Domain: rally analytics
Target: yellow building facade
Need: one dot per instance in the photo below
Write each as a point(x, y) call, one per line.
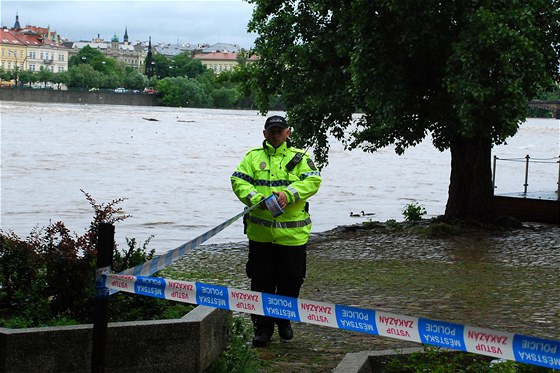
point(13, 52)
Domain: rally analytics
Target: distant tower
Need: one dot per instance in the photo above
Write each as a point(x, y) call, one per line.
point(17, 25)
point(149, 61)
point(125, 38)
point(115, 41)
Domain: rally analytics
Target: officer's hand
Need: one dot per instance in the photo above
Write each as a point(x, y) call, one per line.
point(282, 199)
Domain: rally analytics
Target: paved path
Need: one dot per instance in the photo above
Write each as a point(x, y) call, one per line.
point(501, 280)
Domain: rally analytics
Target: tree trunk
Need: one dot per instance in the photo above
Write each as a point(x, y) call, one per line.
point(470, 187)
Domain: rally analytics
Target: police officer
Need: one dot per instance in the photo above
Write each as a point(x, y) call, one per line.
point(277, 245)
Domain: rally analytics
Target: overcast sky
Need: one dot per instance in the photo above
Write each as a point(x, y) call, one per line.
point(172, 21)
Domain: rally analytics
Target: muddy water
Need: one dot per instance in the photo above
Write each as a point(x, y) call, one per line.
point(173, 166)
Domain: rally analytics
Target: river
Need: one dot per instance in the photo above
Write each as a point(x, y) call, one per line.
point(173, 166)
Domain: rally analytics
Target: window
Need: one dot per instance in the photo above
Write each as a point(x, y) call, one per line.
point(32, 55)
point(32, 67)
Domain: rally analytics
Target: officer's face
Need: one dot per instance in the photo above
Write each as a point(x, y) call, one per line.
point(277, 136)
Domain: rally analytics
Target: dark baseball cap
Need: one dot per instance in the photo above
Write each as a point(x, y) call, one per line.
point(275, 121)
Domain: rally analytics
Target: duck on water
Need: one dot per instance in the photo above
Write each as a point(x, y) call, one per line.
point(361, 214)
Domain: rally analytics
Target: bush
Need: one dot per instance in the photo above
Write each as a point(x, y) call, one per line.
point(413, 212)
point(48, 278)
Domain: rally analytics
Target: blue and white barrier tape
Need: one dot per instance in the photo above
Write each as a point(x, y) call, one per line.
point(510, 346)
point(159, 262)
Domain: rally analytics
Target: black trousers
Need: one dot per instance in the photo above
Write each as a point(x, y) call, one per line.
point(275, 269)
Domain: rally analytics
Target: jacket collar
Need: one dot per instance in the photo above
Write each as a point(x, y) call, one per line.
point(269, 149)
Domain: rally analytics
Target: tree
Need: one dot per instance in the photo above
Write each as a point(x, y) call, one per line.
point(162, 66)
point(225, 98)
point(86, 55)
point(184, 65)
point(61, 78)
point(84, 76)
point(134, 79)
point(27, 76)
point(44, 76)
point(183, 92)
point(460, 71)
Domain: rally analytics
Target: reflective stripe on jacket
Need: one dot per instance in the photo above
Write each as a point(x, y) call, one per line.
point(263, 171)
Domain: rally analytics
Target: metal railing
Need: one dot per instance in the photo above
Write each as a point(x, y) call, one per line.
point(527, 159)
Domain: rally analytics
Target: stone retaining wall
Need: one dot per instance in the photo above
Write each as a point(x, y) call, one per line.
point(189, 344)
point(77, 97)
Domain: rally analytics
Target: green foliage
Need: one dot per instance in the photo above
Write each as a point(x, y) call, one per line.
point(392, 223)
point(412, 68)
point(44, 76)
point(181, 65)
point(436, 360)
point(181, 81)
point(91, 69)
point(184, 65)
point(5, 74)
point(413, 212)
point(461, 72)
point(47, 279)
point(225, 98)
point(84, 76)
point(133, 79)
point(86, 55)
point(162, 66)
point(237, 357)
point(185, 92)
point(27, 77)
point(61, 78)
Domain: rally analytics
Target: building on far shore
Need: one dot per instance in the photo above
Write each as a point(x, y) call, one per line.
point(221, 57)
point(35, 48)
point(32, 48)
point(43, 53)
point(131, 54)
point(172, 50)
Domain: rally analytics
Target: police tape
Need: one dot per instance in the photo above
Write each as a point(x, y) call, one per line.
point(509, 346)
point(159, 262)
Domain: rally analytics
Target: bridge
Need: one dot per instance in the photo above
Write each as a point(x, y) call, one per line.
point(552, 106)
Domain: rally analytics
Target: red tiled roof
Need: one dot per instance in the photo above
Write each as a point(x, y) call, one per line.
point(30, 40)
point(26, 39)
point(40, 30)
point(8, 37)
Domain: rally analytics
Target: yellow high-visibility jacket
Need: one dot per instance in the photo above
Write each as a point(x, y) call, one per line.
point(263, 171)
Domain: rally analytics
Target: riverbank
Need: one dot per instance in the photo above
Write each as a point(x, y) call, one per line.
point(505, 280)
point(54, 96)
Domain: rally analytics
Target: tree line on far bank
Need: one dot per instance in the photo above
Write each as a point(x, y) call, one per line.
point(180, 81)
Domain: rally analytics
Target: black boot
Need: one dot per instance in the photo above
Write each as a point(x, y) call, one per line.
point(264, 328)
point(285, 329)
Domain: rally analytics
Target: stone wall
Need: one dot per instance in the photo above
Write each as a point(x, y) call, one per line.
point(189, 344)
point(77, 97)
